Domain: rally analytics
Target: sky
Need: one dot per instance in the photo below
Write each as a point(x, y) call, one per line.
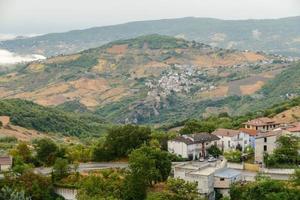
point(31, 17)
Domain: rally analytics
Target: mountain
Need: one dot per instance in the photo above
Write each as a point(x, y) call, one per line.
point(148, 79)
point(272, 35)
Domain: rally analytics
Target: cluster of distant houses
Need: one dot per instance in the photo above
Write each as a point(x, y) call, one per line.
point(261, 134)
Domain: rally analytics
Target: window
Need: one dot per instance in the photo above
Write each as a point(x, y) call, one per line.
point(265, 148)
point(222, 179)
point(228, 143)
point(265, 139)
point(245, 141)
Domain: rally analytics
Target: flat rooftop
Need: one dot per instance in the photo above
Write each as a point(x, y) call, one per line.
point(227, 173)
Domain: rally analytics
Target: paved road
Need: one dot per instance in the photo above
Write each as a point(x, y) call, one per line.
point(85, 167)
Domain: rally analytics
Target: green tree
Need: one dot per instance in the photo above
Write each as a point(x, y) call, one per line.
point(151, 163)
point(296, 177)
point(286, 153)
point(120, 141)
point(108, 185)
point(22, 151)
point(61, 169)
point(177, 189)
point(287, 149)
point(214, 151)
point(233, 156)
point(46, 151)
point(7, 193)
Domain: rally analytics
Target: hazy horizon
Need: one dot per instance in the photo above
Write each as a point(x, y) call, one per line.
point(35, 17)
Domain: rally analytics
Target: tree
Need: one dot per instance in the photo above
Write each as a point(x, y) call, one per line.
point(35, 186)
point(287, 149)
point(193, 126)
point(22, 151)
point(60, 169)
point(233, 156)
point(296, 177)
point(151, 163)
point(46, 151)
point(7, 193)
point(265, 189)
point(108, 185)
point(177, 189)
point(214, 151)
point(120, 141)
point(286, 154)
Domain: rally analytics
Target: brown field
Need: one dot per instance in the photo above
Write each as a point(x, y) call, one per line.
point(20, 133)
point(214, 60)
point(118, 49)
point(62, 59)
point(36, 67)
point(150, 69)
point(289, 116)
point(251, 89)
point(220, 91)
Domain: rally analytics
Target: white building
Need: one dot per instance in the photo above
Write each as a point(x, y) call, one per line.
point(203, 175)
point(231, 139)
point(5, 163)
point(192, 146)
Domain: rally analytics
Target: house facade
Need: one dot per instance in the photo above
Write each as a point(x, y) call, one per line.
point(224, 178)
point(252, 133)
point(262, 124)
point(265, 142)
point(231, 139)
point(192, 146)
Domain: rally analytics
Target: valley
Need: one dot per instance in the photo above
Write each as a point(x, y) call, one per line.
point(142, 79)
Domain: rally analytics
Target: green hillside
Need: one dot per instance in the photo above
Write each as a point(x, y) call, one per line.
point(50, 120)
point(272, 35)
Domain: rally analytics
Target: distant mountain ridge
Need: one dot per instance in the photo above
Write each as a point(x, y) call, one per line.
point(271, 35)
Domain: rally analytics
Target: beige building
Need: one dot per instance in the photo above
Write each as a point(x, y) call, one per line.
point(265, 142)
point(224, 178)
point(5, 163)
point(262, 124)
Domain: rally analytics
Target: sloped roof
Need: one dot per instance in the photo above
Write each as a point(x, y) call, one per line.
point(262, 121)
point(5, 160)
point(250, 132)
point(270, 134)
point(204, 137)
point(196, 138)
point(295, 127)
point(226, 132)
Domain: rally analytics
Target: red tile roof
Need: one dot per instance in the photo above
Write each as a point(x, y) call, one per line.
point(226, 132)
point(250, 132)
point(5, 160)
point(261, 121)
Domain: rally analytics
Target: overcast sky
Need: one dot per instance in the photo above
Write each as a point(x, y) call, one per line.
point(44, 16)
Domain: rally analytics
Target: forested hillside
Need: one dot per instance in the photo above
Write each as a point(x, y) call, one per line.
point(51, 120)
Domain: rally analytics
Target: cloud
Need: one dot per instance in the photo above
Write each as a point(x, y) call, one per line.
point(7, 57)
point(7, 37)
